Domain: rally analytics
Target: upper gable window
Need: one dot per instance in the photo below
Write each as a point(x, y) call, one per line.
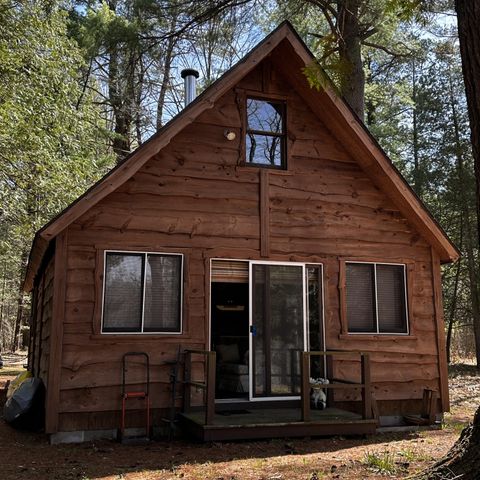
point(265, 140)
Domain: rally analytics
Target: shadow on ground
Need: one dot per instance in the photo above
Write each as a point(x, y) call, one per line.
point(27, 455)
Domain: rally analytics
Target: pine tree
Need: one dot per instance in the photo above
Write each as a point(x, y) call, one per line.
point(51, 135)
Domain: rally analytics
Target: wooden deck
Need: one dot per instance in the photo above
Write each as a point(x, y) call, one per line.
point(253, 420)
point(274, 422)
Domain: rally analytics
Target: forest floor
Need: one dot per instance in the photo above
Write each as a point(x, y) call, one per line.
point(394, 455)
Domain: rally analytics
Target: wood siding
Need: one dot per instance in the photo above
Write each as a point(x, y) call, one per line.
point(197, 198)
point(42, 322)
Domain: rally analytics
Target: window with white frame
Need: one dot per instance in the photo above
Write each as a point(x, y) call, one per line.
point(142, 293)
point(376, 298)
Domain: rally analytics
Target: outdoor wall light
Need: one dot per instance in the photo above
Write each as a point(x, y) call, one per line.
point(230, 135)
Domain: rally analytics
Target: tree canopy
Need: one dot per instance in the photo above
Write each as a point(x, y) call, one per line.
point(52, 135)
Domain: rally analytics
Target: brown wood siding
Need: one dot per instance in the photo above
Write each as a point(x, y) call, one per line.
point(56, 334)
point(33, 350)
point(196, 198)
point(42, 322)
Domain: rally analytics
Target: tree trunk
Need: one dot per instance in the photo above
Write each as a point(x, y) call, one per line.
point(468, 18)
point(121, 105)
point(18, 320)
point(119, 100)
point(352, 83)
point(451, 316)
point(463, 459)
point(469, 234)
point(166, 74)
point(20, 306)
point(473, 279)
point(2, 303)
point(370, 105)
point(417, 174)
point(138, 85)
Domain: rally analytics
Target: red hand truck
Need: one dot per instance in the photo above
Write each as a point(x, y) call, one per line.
point(139, 394)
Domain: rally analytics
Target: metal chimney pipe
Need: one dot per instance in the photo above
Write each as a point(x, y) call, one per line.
point(190, 76)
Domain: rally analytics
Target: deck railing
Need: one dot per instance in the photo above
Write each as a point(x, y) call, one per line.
point(208, 385)
point(340, 384)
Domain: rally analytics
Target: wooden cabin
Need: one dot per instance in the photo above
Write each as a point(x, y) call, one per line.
point(260, 242)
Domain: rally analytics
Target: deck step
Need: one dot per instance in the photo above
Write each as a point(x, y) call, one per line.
point(272, 423)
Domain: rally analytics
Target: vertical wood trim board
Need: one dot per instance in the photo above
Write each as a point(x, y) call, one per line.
point(440, 327)
point(39, 332)
point(207, 303)
point(410, 279)
point(241, 102)
point(342, 296)
point(264, 213)
point(33, 329)
point(98, 282)
point(56, 334)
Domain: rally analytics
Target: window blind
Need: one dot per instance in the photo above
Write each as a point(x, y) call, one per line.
point(122, 309)
point(162, 293)
point(391, 298)
point(229, 271)
point(361, 309)
point(375, 289)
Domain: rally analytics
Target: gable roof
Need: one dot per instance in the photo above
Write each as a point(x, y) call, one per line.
point(343, 122)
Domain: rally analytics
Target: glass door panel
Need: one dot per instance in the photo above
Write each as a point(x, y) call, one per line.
point(278, 329)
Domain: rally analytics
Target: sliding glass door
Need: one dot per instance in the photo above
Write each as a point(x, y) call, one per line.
point(278, 331)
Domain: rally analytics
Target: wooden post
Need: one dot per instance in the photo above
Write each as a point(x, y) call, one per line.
point(440, 330)
point(367, 387)
point(429, 405)
point(264, 213)
point(187, 397)
point(330, 391)
point(305, 391)
point(342, 283)
point(210, 407)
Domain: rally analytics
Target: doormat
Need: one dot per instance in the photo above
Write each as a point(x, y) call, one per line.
point(226, 413)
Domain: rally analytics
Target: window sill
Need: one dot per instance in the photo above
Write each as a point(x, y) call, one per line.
point(251, 167)
point(129, 337)
point(375, 336)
